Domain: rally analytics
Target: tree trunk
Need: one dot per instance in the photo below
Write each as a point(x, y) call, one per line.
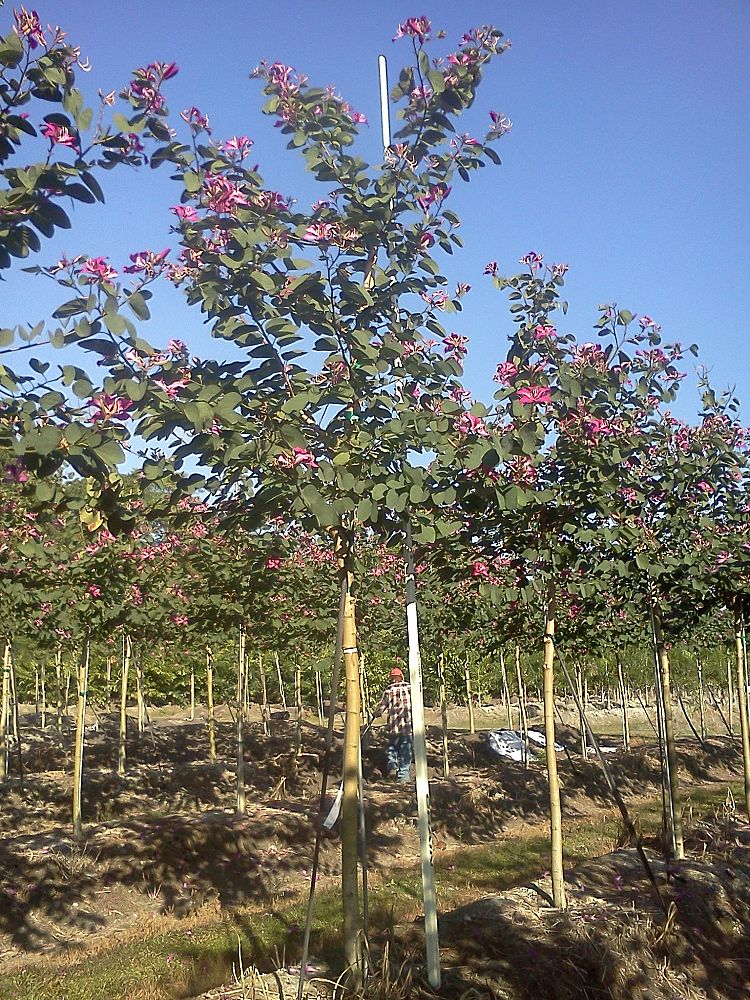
point(555, 810)
point(5, 714)
point(66, 701)
point(83, 680)
point(140, 698)
point(443, 714)
point(730, 697)
point(739, 626)
point(108, 688)
point(192, 690)
point(506, 691)
point(701, 702)
point(581, 724)
point(353, 951)
point(210, 703)
point(298, 708)
point(280, 678)
point(58, 682)
point(263, 696)
point(469, 695)
point(319, 697)
point(122, 744)
point(44, 694)
point(36, 690)
point(16, 720)
point(624, 703)
point(241, 676)
point(669, 741)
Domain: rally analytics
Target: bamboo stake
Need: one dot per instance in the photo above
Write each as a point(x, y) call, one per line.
point(701, 703)
point(36, 690)
point(730, 695)
point(739, 625)
point(263, 696)
point(16, 720)
point(192, 690)
point(5, 714)
point(66, 703)
point(506, 690)
point(58, 677)
point(139, 691)
point(122, 744)
point(108, 690)
point(624, 704)
point(282, 692)
point(319, 696)
point(241, 676)
point(44, 694)
point(669, 740)
point(298, 704)
point(522, 716)
point(555, 810)
point(210, 703)
point(443, 714)
point(469, 695)
point(582, 701)
point(83, 680)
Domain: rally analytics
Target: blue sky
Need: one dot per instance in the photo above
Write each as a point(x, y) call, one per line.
point(629, 158)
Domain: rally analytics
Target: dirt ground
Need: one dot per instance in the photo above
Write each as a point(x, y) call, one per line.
point(164, 839)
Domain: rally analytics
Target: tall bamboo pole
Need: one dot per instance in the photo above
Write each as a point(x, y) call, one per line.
point(210, 703)
point(44, 694)
point(730, 696)
point(624, 704)
point(122, 743)
point(58, 686)
point(581, 726)
point(701, 702)
point(506, 690)
point(669, 739)
point(522, 717)
point(36, 690)
point(192, 690)
point(280, 678)
point(349, 808)
point(140, 698)
point(263, 696)
point(443, 714)
point(5, 713)
point(241, 676)
point(319, 696)
point(742, 695)
point(16, 719)
point(469, 695)
point(298, 709)
point(83, 680)
point(555, 809)
point(108, 685)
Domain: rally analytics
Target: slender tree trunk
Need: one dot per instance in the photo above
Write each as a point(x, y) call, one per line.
point(739, 626)
point(83, 680)
point(506, 691)
point(192, 690)
point(122, 745)
point(44, 694)
point(669, 740)
point(140, 697)
point(555, 809)
point(522, 717)
point(16, 719)
point(319, 697)
point(349, 808)
point(298, 709)
point(36, 690)
point(443, 714)
point(263, 696)
point(241, 678)
point(624, 703)
point(469, 695)
point(108, 691)
point(5, 714)
point(581, 724)
point(280, 678)
point(730, 696)
point(701, 701)
point(365, 687)
point(58, 683)
point(210, 703)
point(66, 702)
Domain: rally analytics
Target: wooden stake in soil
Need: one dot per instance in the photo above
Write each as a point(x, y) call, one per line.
point(443, 714)
point(83, 680)
point(263, 696)
point(582, 701)
point(210, 703)
point(469, 695)
point(122, 743)
point(669, 741)
point(506, 690)
point(192, 691)
point(108, 685)
point(624, 704)
point(16, 720)
point(523, 718)
point(298, 709)
point(319, 696)
point(36, 690)
point(58, 682)
point(241, 675)
point(730, 696)
point(5, 714)
point(140, 697)
point(280, 678)
point(555, 810)
point(44, 694)
point(429, 894)
point(739, 625)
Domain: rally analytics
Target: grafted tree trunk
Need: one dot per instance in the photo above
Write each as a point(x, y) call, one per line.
point(555, 809)
point(669, 740)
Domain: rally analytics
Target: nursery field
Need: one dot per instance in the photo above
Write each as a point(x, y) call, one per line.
point(169, 886)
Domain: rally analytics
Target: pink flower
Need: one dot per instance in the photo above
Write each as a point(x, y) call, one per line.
point(97, 269)
point(195, 119)
point(298, 457)
point(646, 323)
point(29, 27)
point(185, 213)
point(426, 240)
point(107, 407)
point(273, 563)
point(147, 262)
point(455, 344)
point(60, 135)
point(223, 195)
point(704, 487)
point(491, 268)
point(544, 332)
point(479, 570)
point(414, 27)
point(505, 373)
point(321, 232)
point(179, 620)
point(238, 145)
point(437, 192)
point(535, 395)
point(532, 260)
point(177, 348)
point(15, 473)
point(94, 590)
point(467, 423)
point(500, 124)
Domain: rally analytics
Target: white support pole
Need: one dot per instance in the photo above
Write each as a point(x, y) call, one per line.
point(385, 116)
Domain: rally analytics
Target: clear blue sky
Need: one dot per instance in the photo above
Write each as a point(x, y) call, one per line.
point(629, 158)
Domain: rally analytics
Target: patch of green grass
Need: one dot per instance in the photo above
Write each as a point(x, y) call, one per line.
point(184, 962)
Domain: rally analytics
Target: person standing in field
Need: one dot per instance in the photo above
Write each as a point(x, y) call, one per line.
point(396, 703)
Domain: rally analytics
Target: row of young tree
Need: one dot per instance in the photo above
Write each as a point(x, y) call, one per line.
point(572, 512)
